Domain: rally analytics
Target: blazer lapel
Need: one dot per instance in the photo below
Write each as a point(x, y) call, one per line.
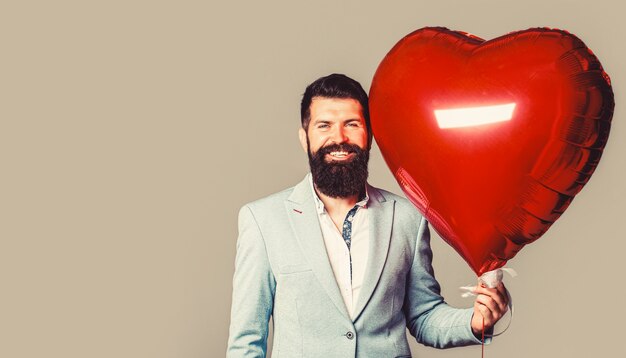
point(380, 213)
point(304, 221)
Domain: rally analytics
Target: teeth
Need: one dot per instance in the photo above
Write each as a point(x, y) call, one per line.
point(338, 154)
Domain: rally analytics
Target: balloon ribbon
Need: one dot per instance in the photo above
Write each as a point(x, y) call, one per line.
point(482, 339)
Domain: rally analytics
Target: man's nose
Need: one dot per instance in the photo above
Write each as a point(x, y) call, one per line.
point(339, 135)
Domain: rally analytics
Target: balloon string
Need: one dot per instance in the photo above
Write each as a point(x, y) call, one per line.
point(482, 339)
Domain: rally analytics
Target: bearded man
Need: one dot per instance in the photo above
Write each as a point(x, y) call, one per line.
point(343, 268)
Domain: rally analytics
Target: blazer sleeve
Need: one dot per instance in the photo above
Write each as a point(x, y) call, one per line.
point(429, 319)
point(254, 286)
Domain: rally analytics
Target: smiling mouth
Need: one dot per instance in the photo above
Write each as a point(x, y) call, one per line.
point(339, 155)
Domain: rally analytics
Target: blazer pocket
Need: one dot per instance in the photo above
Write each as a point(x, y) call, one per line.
point(291, 269)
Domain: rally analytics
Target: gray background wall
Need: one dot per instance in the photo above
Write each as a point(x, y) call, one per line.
point(132, 131)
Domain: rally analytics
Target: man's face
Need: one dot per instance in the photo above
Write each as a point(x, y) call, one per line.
point(337, 144)
point(336, 121)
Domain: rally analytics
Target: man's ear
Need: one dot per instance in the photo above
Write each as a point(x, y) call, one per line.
point(302, 137)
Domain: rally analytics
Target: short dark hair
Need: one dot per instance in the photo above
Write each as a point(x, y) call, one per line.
point(334, 86)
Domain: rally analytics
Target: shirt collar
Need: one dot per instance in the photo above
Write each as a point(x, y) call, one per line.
point(319, 205)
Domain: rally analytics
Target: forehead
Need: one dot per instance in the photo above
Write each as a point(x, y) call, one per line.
point(335, 108)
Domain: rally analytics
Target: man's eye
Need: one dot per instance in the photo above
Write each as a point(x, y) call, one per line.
point(323, 126)
point(353, 124)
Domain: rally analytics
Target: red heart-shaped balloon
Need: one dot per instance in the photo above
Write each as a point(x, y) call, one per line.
point(491, 140)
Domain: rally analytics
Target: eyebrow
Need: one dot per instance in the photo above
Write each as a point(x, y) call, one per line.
point(344, 121)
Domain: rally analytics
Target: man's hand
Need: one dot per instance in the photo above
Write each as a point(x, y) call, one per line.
point(491, 304)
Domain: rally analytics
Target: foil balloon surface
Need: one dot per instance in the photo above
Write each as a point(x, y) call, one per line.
point(491, 140)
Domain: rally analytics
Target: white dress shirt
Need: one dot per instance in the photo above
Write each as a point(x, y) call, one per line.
point(340, 256)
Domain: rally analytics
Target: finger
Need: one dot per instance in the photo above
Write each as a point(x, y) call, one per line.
point(501, 288)
point(503, 291)
point(500, 299)
point(504, 297)
point(484, 290)
point(489, 303)
point(485, 313)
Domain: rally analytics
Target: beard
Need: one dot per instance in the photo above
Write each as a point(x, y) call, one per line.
point(339, 179)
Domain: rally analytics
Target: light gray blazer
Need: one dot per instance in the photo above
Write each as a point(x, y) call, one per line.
point(282, 270)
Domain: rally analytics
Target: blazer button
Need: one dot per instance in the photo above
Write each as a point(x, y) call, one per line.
point(350, 335)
